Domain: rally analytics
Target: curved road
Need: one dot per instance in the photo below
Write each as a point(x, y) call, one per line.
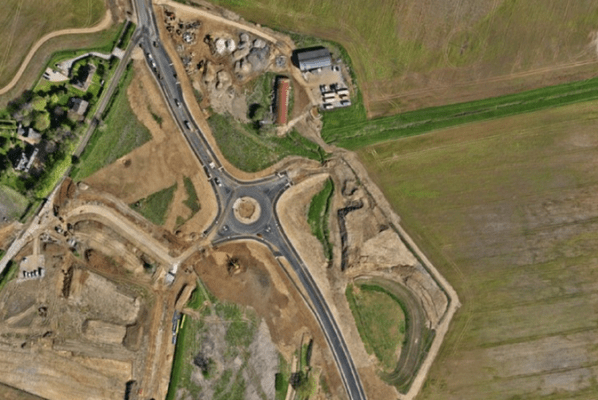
point(265, 191)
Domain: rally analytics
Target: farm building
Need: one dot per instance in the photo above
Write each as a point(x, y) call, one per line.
point(310, 59)
point(283, 86)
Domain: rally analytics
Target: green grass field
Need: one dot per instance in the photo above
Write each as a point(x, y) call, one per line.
point(120, 133)
point(349, 127)
point(155, 206)
point(251, 152)
point(506, 209)
point(406, 53)
point(25, 21)
point(380, 321)
point(317, 217)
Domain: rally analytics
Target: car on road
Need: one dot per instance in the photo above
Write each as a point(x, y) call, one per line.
point(177, 103)
point(187, 124)
point(217, 180)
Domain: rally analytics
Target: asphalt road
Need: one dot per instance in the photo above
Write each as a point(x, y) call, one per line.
point(265, 191)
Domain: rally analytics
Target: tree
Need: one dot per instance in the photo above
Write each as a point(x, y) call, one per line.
point(39, 104)
point(42, 121)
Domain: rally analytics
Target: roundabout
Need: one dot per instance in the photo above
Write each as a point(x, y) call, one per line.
point(246, 210)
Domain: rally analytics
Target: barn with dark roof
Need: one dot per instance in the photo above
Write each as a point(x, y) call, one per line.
point(310, 59)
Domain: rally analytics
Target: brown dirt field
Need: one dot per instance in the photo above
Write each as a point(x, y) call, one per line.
point(8, 233)
point(161, 162)
point(266, 288)
point(9, 393)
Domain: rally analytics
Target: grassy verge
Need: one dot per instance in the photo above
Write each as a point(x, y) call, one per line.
point(380, 320)
point(155, 206)
point(126, 36)
point(317, 216)
point(249, 151)
point(9, 273)
point(120, 133)
point(349, 127)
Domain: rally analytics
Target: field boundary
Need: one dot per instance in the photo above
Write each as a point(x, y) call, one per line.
point(103, 24)
point(361, 132)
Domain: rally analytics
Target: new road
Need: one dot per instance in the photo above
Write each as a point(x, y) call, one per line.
point(266, 192)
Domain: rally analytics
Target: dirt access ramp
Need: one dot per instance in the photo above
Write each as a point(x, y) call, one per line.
point(164, 160)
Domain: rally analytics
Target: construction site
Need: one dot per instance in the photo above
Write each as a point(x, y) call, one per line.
point(106, 304)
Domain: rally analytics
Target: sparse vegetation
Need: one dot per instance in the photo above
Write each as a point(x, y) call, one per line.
point(251, 152)
point(156, 117)
point(225, 381)
point(380, 320)
point(118, 135)
point(155, 206)
point(192, 202)
point(317, 216)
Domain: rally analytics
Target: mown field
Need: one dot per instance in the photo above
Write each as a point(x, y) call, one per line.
point(23, 22)
point(414, 54)
point(119, 133)
point(507, 210)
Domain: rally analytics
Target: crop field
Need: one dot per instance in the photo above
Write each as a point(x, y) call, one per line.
point(507, 211)
point(23, 22)
point(350, 128)
point(414, 54)
point(121, 133)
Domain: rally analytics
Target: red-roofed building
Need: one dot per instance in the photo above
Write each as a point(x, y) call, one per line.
point(283, 90)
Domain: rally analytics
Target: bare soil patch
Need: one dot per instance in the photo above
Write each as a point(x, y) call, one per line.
point(265, 287)
point(166, 158)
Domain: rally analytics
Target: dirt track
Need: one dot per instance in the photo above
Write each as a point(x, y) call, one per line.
point(104, 24)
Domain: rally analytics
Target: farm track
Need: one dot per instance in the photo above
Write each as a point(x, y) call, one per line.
point(103, 24)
